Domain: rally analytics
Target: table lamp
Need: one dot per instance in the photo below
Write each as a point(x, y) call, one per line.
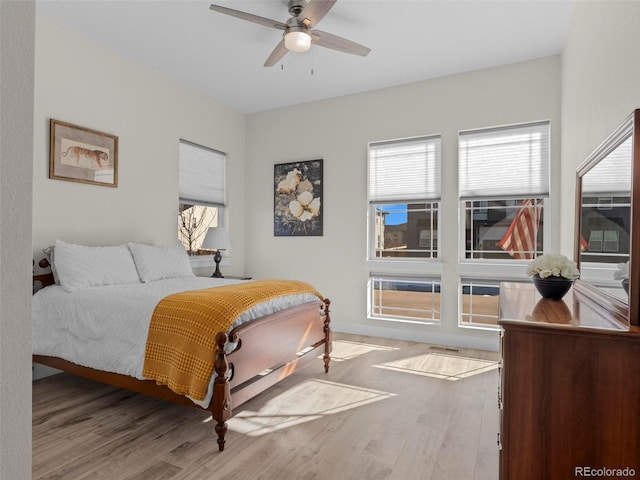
point(216, 239)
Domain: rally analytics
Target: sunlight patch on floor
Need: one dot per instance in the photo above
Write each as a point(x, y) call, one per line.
point(344, 350)
point(439, 365)
point(305, 402)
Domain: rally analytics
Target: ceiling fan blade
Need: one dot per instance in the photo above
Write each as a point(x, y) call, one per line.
point(267, 22)
point(278, 52)
point(328, 40)
point(315, 11)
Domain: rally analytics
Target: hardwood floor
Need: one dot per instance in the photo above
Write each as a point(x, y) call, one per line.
point(387, 409)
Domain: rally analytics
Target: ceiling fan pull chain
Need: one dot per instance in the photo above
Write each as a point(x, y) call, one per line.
point(313, 62)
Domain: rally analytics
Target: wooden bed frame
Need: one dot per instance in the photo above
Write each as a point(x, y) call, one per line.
point(267, 350)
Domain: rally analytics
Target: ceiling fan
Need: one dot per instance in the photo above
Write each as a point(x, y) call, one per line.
point(299, 32)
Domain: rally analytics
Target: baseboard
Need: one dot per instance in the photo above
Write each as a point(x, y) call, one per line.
point(480, 340)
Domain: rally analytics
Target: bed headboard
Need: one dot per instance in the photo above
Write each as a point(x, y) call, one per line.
point(43, 279)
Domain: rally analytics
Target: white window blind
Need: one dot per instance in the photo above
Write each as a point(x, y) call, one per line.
point(612, 175)
point(504, 162)
point(201, 175)
point(405, 170)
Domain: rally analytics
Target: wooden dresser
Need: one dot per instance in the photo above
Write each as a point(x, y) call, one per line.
point(570, 389)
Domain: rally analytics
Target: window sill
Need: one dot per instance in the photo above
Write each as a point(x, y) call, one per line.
point(434, 267)
point(517, 270)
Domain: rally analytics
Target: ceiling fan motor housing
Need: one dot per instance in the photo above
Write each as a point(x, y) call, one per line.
point(295, 25)
point(296, 6)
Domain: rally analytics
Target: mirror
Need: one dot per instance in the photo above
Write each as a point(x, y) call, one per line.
point(606, 207)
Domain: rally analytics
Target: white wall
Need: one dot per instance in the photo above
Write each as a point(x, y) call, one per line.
point(600, 75)
point(81, 82)
point(17, 27)
point(600, 86)
point(338, 131)
point(149, 113)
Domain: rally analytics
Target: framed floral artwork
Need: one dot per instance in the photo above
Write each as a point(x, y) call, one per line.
point(79, 154)
point(298, 199)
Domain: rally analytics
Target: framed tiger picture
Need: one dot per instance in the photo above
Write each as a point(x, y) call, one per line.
point(79, 154)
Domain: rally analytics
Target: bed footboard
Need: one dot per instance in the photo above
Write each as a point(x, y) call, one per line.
point(268, 350)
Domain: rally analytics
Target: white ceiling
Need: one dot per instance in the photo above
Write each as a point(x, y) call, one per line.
point(410, 40)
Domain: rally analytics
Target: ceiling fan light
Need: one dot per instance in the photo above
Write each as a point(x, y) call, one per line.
point(297, 41)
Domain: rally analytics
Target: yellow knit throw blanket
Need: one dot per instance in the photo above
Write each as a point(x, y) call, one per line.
point(180, 350)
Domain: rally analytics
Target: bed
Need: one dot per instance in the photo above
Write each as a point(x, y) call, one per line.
point(95, 319)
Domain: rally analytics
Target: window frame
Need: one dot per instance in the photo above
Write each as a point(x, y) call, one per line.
point(546, 238)
point(485, 282)
point(410, 279)
point(434, 254)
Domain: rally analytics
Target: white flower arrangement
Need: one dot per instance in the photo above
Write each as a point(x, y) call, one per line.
point(623, 271)
point(553, 264)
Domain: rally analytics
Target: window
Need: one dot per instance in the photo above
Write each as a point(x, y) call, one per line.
point(503, 181)
point(503, 229)
point(606, 208)
point(404, 215)
point(605, 228)
point(415, 300)
point(405, 230)
point(479, 303)
point(202, 193)
point(404, 196)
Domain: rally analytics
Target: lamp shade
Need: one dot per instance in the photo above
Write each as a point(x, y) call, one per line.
point(297, 41)
point(216, 238)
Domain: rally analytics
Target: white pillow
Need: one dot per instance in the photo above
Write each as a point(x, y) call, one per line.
point(80, 266)
point(157, 263)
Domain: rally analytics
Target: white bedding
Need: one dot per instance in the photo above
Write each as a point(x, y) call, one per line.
point(106, 327)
